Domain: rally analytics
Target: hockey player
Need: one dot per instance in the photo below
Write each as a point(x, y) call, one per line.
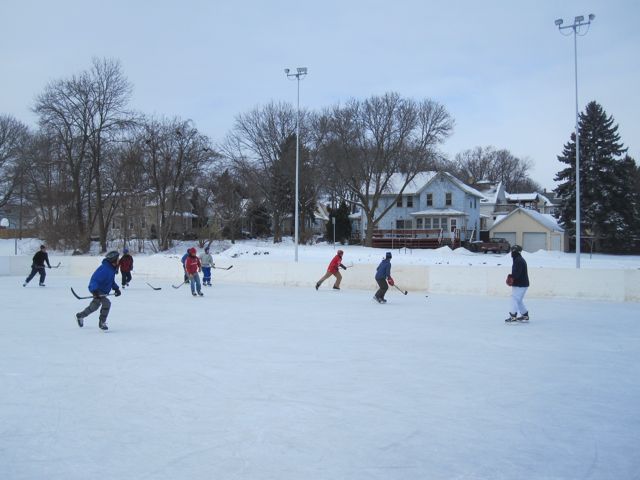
point(192, 266)
point(519, 286)
point(184, 271)
point(207, 265)
point(37, 266)
point(332, 269)
point(383, 276)
point(126, 267)
point(102, 282)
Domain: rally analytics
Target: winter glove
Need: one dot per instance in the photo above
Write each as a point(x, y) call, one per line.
point(342, 267)
point(117, 292)
point(390, 281)
point(509, 280)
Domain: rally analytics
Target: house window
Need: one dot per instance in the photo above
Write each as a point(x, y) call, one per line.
point(410, 201)
point(400, 224)
point(419, 223)
point(436, 222)
point(399, 201)
point(429, 199)
point(447, 199)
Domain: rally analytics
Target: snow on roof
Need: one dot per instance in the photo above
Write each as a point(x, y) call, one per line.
point(414, 186)
point(489, 191)
point(421, 180)
point(544, 219)
point(522, 197)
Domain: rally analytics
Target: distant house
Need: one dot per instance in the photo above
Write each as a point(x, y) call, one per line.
point(492, 203)
point(531, 229)
point(434, 206)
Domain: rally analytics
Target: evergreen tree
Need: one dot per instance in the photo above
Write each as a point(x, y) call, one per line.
point(343, 224)
point(608, 197)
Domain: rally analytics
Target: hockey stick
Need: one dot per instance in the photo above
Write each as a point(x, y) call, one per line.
point(178, 286)
point(84, 298)
point(155, 288)
point(403, 291)
point(59, 263)
point(223, 268)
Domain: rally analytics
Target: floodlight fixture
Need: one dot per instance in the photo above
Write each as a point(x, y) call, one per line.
point(579, 18)
point(302, 70)
point(559, 22)
point(591, 17)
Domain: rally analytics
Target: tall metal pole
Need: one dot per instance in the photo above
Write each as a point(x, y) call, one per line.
point(300, 72)
point(578, 224)
point(297, 169)
point(577, 23)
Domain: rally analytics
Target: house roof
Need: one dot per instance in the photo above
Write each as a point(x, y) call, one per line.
point(421, 180)
point(489, 191)
point(544, 219)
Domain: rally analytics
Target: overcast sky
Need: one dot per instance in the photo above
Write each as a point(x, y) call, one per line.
point(501, 68)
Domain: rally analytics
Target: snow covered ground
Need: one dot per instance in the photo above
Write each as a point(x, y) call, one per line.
point(293, 383)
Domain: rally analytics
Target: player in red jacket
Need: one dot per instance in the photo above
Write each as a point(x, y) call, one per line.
point(332, 269)
point(192, 266)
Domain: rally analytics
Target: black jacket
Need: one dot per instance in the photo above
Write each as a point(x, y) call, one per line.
point(519, 271)
point(40, 258)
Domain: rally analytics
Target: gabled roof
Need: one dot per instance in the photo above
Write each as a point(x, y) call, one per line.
point(489, 191)
point(421, 180)
point(544, 219)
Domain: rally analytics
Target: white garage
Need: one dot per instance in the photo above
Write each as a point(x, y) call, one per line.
point(531, 229)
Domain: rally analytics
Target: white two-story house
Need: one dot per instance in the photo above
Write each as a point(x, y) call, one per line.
point(432, 205)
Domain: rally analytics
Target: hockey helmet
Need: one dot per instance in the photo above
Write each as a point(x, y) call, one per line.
point(388, 255)
point(340, 252)
point(112, 256)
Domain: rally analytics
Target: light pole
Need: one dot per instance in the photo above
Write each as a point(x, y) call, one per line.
point(300, 73)
point(578, 22)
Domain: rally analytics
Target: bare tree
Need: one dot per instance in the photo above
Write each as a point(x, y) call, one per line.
point(175, 154)
point(82, 115)
point(108, 118)
point(366, 142)
point(13, 138)
point(487, 163)
point(257, 147)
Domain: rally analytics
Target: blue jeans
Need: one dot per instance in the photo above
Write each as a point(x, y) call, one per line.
point(194, 280)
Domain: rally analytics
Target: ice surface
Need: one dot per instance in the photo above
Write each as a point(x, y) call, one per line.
point(291, 383)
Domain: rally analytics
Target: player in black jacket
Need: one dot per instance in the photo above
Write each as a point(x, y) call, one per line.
point(37, 266)
point(519, 286)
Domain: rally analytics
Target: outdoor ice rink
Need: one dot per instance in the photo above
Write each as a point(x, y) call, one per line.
point(292, 384)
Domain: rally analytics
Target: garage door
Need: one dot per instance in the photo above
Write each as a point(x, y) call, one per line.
point(508, 236)
point(534, 241)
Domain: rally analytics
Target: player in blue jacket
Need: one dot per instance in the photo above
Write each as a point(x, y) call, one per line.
point(102, 282)
point(383, 276)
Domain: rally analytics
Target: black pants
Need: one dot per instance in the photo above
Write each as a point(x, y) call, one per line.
point(126, 278)
point(383, 288)
point(103, 303)
point(37, 269)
